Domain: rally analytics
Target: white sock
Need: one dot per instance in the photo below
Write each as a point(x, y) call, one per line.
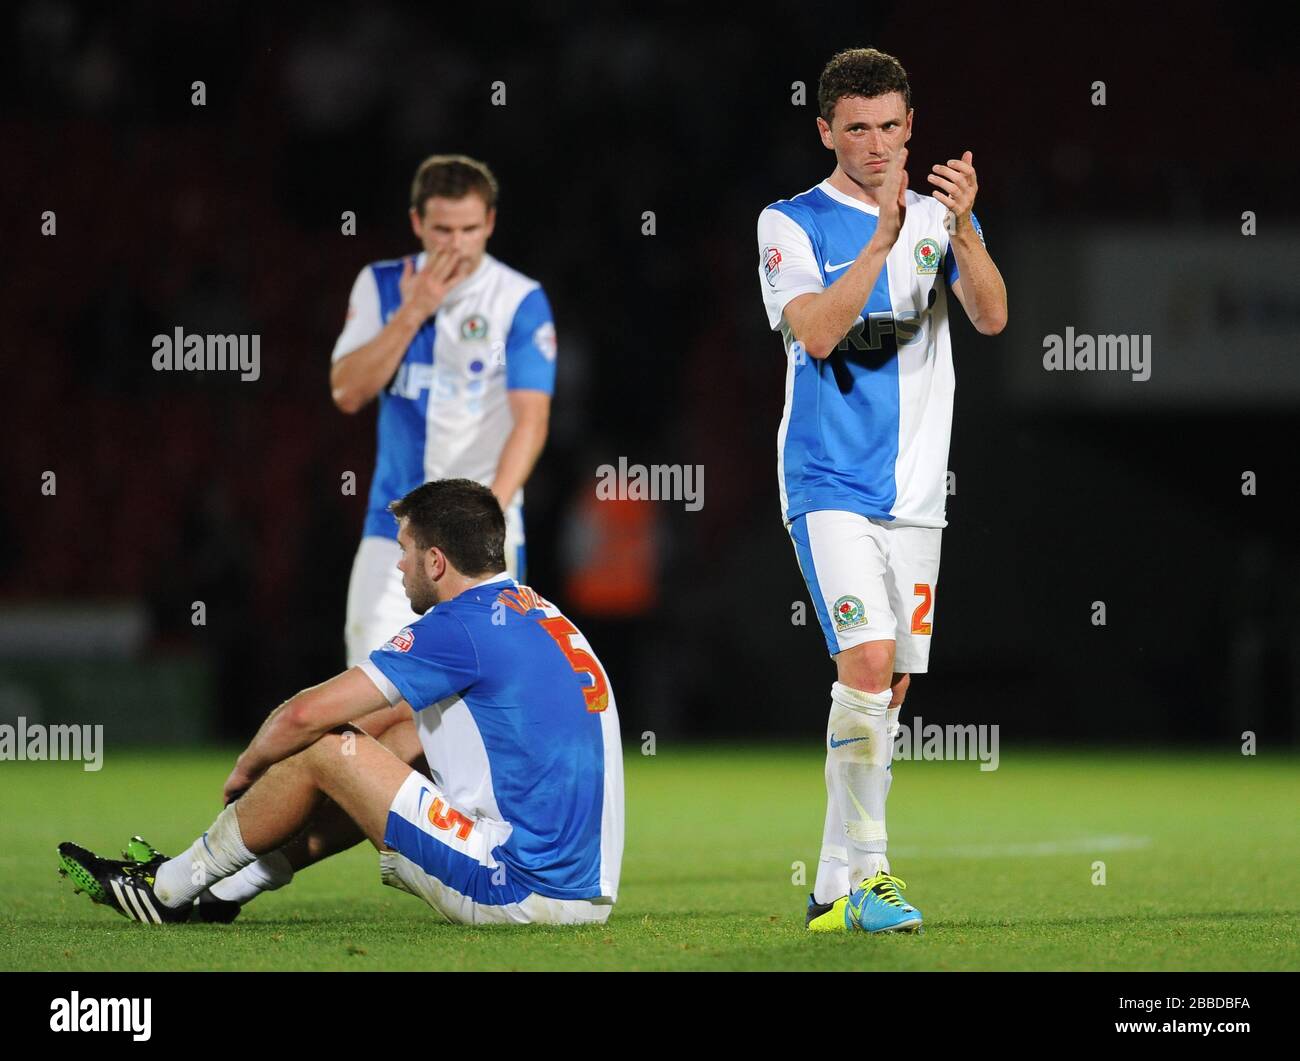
point(857, 775)
point(833, 865)
point(269, 872)
point(891, 731)
point(216, 854)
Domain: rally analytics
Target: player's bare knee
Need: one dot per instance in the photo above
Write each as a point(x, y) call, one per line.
point(328, 752)
point(867, 667)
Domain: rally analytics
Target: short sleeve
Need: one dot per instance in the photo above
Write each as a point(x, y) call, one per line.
point(530, 345)
point(950, 259)
point(787, 265)
point(363, 321)
point(429, 660)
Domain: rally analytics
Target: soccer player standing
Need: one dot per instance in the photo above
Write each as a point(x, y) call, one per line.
point(854, 274)
point(460, 350)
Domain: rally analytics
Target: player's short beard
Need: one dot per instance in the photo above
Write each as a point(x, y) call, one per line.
point(422, 593)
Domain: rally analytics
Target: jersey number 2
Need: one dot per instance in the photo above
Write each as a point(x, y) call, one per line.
point(919, 624)
point(583, 662)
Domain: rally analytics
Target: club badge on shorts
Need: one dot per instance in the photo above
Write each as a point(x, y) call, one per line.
point(850, 613)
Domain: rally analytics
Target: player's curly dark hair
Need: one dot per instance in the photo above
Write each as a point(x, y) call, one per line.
point(861, 72)
point(452, 177)
point(462, 518)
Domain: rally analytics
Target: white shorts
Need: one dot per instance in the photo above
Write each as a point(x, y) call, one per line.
point(870, 581)
point(445, 858)
point(377, 604)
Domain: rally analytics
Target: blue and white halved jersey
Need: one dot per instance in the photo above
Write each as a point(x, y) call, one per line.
point(866, 429)
point(444, 414)
point(519, 726)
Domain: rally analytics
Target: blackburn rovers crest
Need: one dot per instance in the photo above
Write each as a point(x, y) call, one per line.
point(927, 257)
point(850, 613)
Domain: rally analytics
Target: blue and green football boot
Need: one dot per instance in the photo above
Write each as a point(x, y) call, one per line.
point(875, 906)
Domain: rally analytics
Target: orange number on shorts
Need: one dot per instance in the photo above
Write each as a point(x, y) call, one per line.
point(919, 625)
point(583, 662)
point(452, 819)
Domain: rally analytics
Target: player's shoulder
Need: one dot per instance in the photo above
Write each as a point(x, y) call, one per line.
point(387, 266)
point(797, 207)
point(808, 211)
point(509, 279)
point(438, 635)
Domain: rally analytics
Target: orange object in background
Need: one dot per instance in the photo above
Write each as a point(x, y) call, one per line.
point(613, 568)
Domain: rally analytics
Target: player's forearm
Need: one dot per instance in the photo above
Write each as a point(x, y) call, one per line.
point(287, 731)
point(826, 317)
point(356, 378)
point(984, 292)
point(523, 447)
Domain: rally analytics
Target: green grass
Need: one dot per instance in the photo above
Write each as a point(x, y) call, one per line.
point(1201, 853)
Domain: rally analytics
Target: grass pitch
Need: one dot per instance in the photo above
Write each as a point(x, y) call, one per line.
point(1201, 858)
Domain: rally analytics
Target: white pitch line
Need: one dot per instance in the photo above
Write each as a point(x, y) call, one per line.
point(1085, 845)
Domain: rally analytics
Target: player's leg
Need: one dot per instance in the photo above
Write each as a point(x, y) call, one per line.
point(898, 684)
point(330, 830)
point(377, 605)
point(842, 560)
point(912, 577)
point(346, 765)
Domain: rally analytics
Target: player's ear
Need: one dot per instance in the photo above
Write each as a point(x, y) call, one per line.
point(491, 222)
point(824, 130)
point(415, 221)
point(435, 562)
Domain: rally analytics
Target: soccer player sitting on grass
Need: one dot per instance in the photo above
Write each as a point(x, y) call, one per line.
point(518, 815)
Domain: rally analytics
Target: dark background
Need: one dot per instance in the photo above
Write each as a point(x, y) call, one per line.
point(225, 218)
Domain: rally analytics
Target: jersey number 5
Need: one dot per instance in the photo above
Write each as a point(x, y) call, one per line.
point(583, 662)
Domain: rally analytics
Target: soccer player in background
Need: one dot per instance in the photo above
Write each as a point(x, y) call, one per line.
point(460, 350)
point(854, 274)
point(517, 816)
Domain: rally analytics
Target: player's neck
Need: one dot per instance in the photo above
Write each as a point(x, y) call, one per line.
point(455, 584)
point(842, 182)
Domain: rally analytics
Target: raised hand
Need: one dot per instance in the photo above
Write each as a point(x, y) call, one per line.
point(955, 185)
point(426, 289)
point(892, 199)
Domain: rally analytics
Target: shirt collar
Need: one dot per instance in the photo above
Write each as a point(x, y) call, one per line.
point(848, 200)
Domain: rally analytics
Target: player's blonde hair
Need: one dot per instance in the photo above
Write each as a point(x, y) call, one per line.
point(452, 177)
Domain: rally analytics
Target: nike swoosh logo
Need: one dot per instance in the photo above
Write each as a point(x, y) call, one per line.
point(836, 268)
point(419, 806)
point(840, 743)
